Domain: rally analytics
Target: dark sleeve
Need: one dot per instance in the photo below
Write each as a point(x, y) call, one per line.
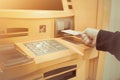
point(109, 41)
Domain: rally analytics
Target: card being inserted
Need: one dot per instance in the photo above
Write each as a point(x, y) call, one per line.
point(72, 32)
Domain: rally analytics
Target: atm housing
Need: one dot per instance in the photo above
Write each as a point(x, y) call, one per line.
point(19, 27)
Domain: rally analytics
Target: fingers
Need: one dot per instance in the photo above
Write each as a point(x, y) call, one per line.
point(91, 32)
point(88, 41)
point(89, 36)
point(85, 39)
point(93, 44)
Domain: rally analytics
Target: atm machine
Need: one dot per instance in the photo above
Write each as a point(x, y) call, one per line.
point(32, 46)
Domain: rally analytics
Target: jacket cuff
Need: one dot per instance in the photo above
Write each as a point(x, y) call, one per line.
point(103, 40)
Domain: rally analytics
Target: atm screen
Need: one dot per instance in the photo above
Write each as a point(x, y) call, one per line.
point(31, 4)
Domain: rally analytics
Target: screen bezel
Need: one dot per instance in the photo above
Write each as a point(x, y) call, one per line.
point(11, 13)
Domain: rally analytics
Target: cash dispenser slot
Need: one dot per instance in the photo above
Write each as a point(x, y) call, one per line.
point(61, 73)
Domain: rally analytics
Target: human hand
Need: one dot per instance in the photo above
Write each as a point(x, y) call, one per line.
point(89, 36)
